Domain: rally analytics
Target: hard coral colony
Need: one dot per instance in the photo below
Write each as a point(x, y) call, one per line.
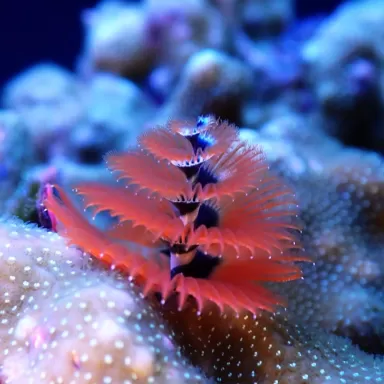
point(218, 223)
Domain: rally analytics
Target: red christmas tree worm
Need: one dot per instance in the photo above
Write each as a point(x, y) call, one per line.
point(219, 223)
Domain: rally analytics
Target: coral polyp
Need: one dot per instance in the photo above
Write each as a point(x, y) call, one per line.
point(218, 223)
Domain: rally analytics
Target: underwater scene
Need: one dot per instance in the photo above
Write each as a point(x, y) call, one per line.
point(192, 192)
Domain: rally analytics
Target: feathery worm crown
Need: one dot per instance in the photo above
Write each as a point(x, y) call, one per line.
point(195, 192)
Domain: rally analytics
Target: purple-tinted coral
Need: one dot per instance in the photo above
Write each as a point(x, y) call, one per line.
point(345, 62)
point(48, 99)
point(17, 153)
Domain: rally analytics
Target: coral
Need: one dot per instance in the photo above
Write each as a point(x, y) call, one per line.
point(112, 125)
point(81, 126)
point(48, 99)
point(16, 153)
point(56, 307)
point(296, 143)
point(211, 83)
point(116, 40)
point(340, 192)
point(270, 349)
point(181, 30)
point(29, 258)
point(161, 34)
point(345, 60)
point(347, 252)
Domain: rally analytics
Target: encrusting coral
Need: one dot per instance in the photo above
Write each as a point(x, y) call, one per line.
point(218, 222)
point(343, 292)
point(269, 349)
point(340, 192)
point(64, 320)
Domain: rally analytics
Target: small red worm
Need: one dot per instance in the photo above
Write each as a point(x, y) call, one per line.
point(217, 221)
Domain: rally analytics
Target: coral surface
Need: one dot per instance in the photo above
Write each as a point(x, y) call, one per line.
point(56, 306)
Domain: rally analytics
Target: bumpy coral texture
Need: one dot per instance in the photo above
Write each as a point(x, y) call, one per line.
point(218, 222)
point(343, 292)
point(270, 349)
point(64, 321)
point(341, 205)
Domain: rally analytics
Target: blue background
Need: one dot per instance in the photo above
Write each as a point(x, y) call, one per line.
point(36, 30)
